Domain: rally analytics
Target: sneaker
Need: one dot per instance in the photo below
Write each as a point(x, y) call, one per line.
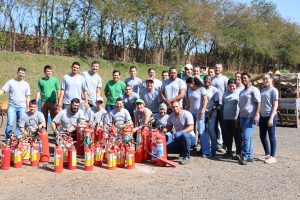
point(263, 158)
point(243, 162)
point(184, 161)
point(270, 160)
point(250, 160)
point(221, 150)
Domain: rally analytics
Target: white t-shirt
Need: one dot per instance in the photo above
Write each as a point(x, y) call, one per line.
point(17, 92)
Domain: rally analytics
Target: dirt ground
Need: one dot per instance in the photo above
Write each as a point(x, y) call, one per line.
point(203, 178)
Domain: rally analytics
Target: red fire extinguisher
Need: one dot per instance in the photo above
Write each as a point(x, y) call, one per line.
point(34, 155)
point(79, 142)
point(5, 160)
point(43, 137)
point(147, 142)
point(111, 159)
point(25, 151)
point(98, 155)
point(139, 148)
point(58, 160)
point(153, 151)
point(17, 156)
point(72, 160)
point(88, 162)
point(130, 160)
point(127, 134)
point(161, 150)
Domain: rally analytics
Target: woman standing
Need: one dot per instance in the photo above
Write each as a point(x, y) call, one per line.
point(268, 119)
point(249, 117)
point(211, 112)
point(196, 102)
point(230, 110)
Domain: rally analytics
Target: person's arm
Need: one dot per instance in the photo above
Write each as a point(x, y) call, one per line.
point(202, 111)
point(86, 98)
point(273, 113)
point(42, 125)
point(27, 102)
point(187, 102)
point(1, 92)
point(61, 97)
point(189, 128)
point(179, 96)
point(163, 98)
point(98, 92)
point(23, 131)
point(148, 117)
point(38, 96)
point(54, 128)
point(58, 94)
point(256, 117)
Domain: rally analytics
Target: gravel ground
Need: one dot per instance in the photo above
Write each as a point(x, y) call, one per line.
point(201, 179)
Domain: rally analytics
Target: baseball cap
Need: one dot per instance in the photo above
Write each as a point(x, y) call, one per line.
point(149, 79)
point(189, 66)
point(99, 99)
point(163, 106)
point(140, 101)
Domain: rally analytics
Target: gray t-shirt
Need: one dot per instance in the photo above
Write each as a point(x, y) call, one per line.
point(268, 96)
point(182, 121)
point(160, 121)
point(172, 88)
point(92, 81)
point(135, 84)
point(231, 105)
point(73, 87)
point(96, 116)
point(151, 99)
point(29, 121)
point(240, 88)
point(212, 97)
point(66, 118)
point(141, 115)
point(129, 102)
point(248, 99)
point(195, 97)
point(120, 118)
point(17, 91)
point(157, 84)
point(220, 82)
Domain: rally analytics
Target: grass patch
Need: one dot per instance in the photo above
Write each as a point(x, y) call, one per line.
point(34, 64)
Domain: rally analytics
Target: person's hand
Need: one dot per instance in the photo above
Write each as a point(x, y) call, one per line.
point(201, 114)
point(256, 119)
point(135, 129)
point(237, 123)
point(177, 134)
point(270, 122)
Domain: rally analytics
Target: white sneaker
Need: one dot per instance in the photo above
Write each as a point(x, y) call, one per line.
point(270, 160)
point(263, 158)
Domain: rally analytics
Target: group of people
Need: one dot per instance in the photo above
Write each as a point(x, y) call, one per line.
point(195, 109)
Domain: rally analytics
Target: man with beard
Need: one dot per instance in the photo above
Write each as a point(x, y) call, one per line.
point(120, 115)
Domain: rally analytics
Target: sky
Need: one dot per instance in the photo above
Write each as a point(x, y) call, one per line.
point(288, 9)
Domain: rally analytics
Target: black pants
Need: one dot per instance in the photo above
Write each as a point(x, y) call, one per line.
point(232, 131)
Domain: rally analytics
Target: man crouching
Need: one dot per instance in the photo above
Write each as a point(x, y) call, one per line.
point(184, 137)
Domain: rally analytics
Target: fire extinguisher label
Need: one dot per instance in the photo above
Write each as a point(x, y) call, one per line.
point(74, 158)
point(138, 141)
point(41, 146)
point(160, 150)
point(57, 160)
point(154, 152)
point(88, 159)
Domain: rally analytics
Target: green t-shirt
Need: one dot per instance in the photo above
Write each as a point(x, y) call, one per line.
point(48, 89)
point(114, 91)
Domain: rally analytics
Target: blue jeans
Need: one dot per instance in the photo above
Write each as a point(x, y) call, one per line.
point(13, 112)
point(247, 127)
point(181, 144)
point(109, 108)
point(264, 129)
point(211, 123)
point(203, 136)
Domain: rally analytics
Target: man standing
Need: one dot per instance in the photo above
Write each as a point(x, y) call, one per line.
point(113, 89)
point(32, 120)
point(188, 72)
point(150, 96)
point(184, 137)
point(164, 75)
point(152, 74)
point(96, 115)
point(129, 97)
point(220, 82)
point(73, 86)
point(48, 91)
point(133, 80)
point(172, 89)
point(93, 83)
point(18, 101)
point(68, 119)
point(120, 116)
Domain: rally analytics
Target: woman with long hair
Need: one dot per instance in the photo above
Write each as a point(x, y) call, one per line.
point(249, 105)
point(268, 118)
point(196, 102)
